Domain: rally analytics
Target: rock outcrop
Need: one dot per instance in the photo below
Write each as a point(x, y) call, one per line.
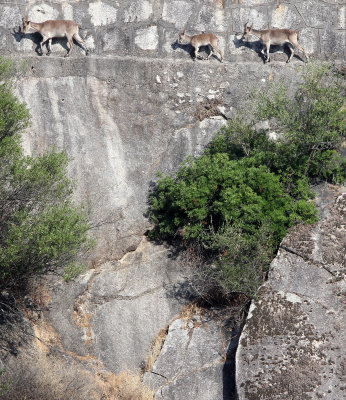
point(292, 346)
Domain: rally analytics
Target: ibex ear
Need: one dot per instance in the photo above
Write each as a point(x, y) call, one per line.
point(251, 26)
point(184, 31)
point(245, 25)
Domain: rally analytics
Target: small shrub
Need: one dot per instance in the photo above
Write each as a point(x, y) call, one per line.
point(238, 199)
point(40, 227)
point(240, 264)
point(214, 190)
point(312, 123)
point(73, 270)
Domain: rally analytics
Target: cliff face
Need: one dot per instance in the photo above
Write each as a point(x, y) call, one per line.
point(292, 345)
point(136, 105)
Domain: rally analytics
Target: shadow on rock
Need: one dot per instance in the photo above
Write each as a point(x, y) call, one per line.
point(190, 50)
point(255, 46)
point(37, 38)
point(259, 49)
point(183, 291)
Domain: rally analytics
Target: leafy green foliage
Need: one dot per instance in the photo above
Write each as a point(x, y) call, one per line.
point(14, 115)
point(6, 385)
point(213, 190)
point(73, 270)
point(239, 198)
point(241, 261)
point(312, 123)
point(40, 227)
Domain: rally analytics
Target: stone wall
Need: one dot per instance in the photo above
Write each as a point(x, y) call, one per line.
point(148, 28)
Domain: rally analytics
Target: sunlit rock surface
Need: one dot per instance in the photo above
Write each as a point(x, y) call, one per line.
point(136, 105)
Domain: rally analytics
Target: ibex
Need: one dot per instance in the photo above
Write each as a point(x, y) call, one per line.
point(276, 37)
point(55, 29)
point(203, 39)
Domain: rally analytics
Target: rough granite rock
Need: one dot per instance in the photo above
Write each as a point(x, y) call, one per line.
point(293, 344)
point(115, 310)
point(139, 104)
point(196, 360)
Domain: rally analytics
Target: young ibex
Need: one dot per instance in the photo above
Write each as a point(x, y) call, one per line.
point(276, 37)
point(203, 39)
point(55, 29)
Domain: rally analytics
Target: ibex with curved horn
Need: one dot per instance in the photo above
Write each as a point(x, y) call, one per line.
point(279, 37)
point(55, 29)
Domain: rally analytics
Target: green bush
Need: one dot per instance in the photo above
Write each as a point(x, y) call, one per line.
point(312, 123)
point(240, 262)
point(239, 198)
point(14, 115)
point(213, 191)
point(40, 227)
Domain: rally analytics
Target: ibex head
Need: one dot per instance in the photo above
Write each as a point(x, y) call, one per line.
point(247, 31)
point(182, 37)
point(26, 25)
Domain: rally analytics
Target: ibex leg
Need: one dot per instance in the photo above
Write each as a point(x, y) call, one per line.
point(196, 53)
point(43, 41)
point(301, 49)
point(49, 46)
point(220, 52)
point(291, 48)
point(81, 41)
point(70, 42)
point(211, 51)
point(268, 49)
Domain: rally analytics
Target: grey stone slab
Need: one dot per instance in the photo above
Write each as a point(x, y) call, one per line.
point(285, 16)
point(252, 15)
point(318, 14)
point(291, 346)
point(193, 360)
point(205, 384)
point(333, 44)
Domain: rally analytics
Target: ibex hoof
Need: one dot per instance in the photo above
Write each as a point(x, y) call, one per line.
point(66, 55)
point(288, 61)
point(48, 54)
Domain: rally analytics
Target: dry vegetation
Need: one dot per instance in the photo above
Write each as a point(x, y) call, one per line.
point(156, 348)
point(53, 380)
point(208, 108)
point(126, 386)
point(45, 380)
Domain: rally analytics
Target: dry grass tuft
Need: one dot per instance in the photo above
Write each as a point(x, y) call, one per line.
point(190, 311)
point(156, 349)
point(126, 386)
point(46, 380)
